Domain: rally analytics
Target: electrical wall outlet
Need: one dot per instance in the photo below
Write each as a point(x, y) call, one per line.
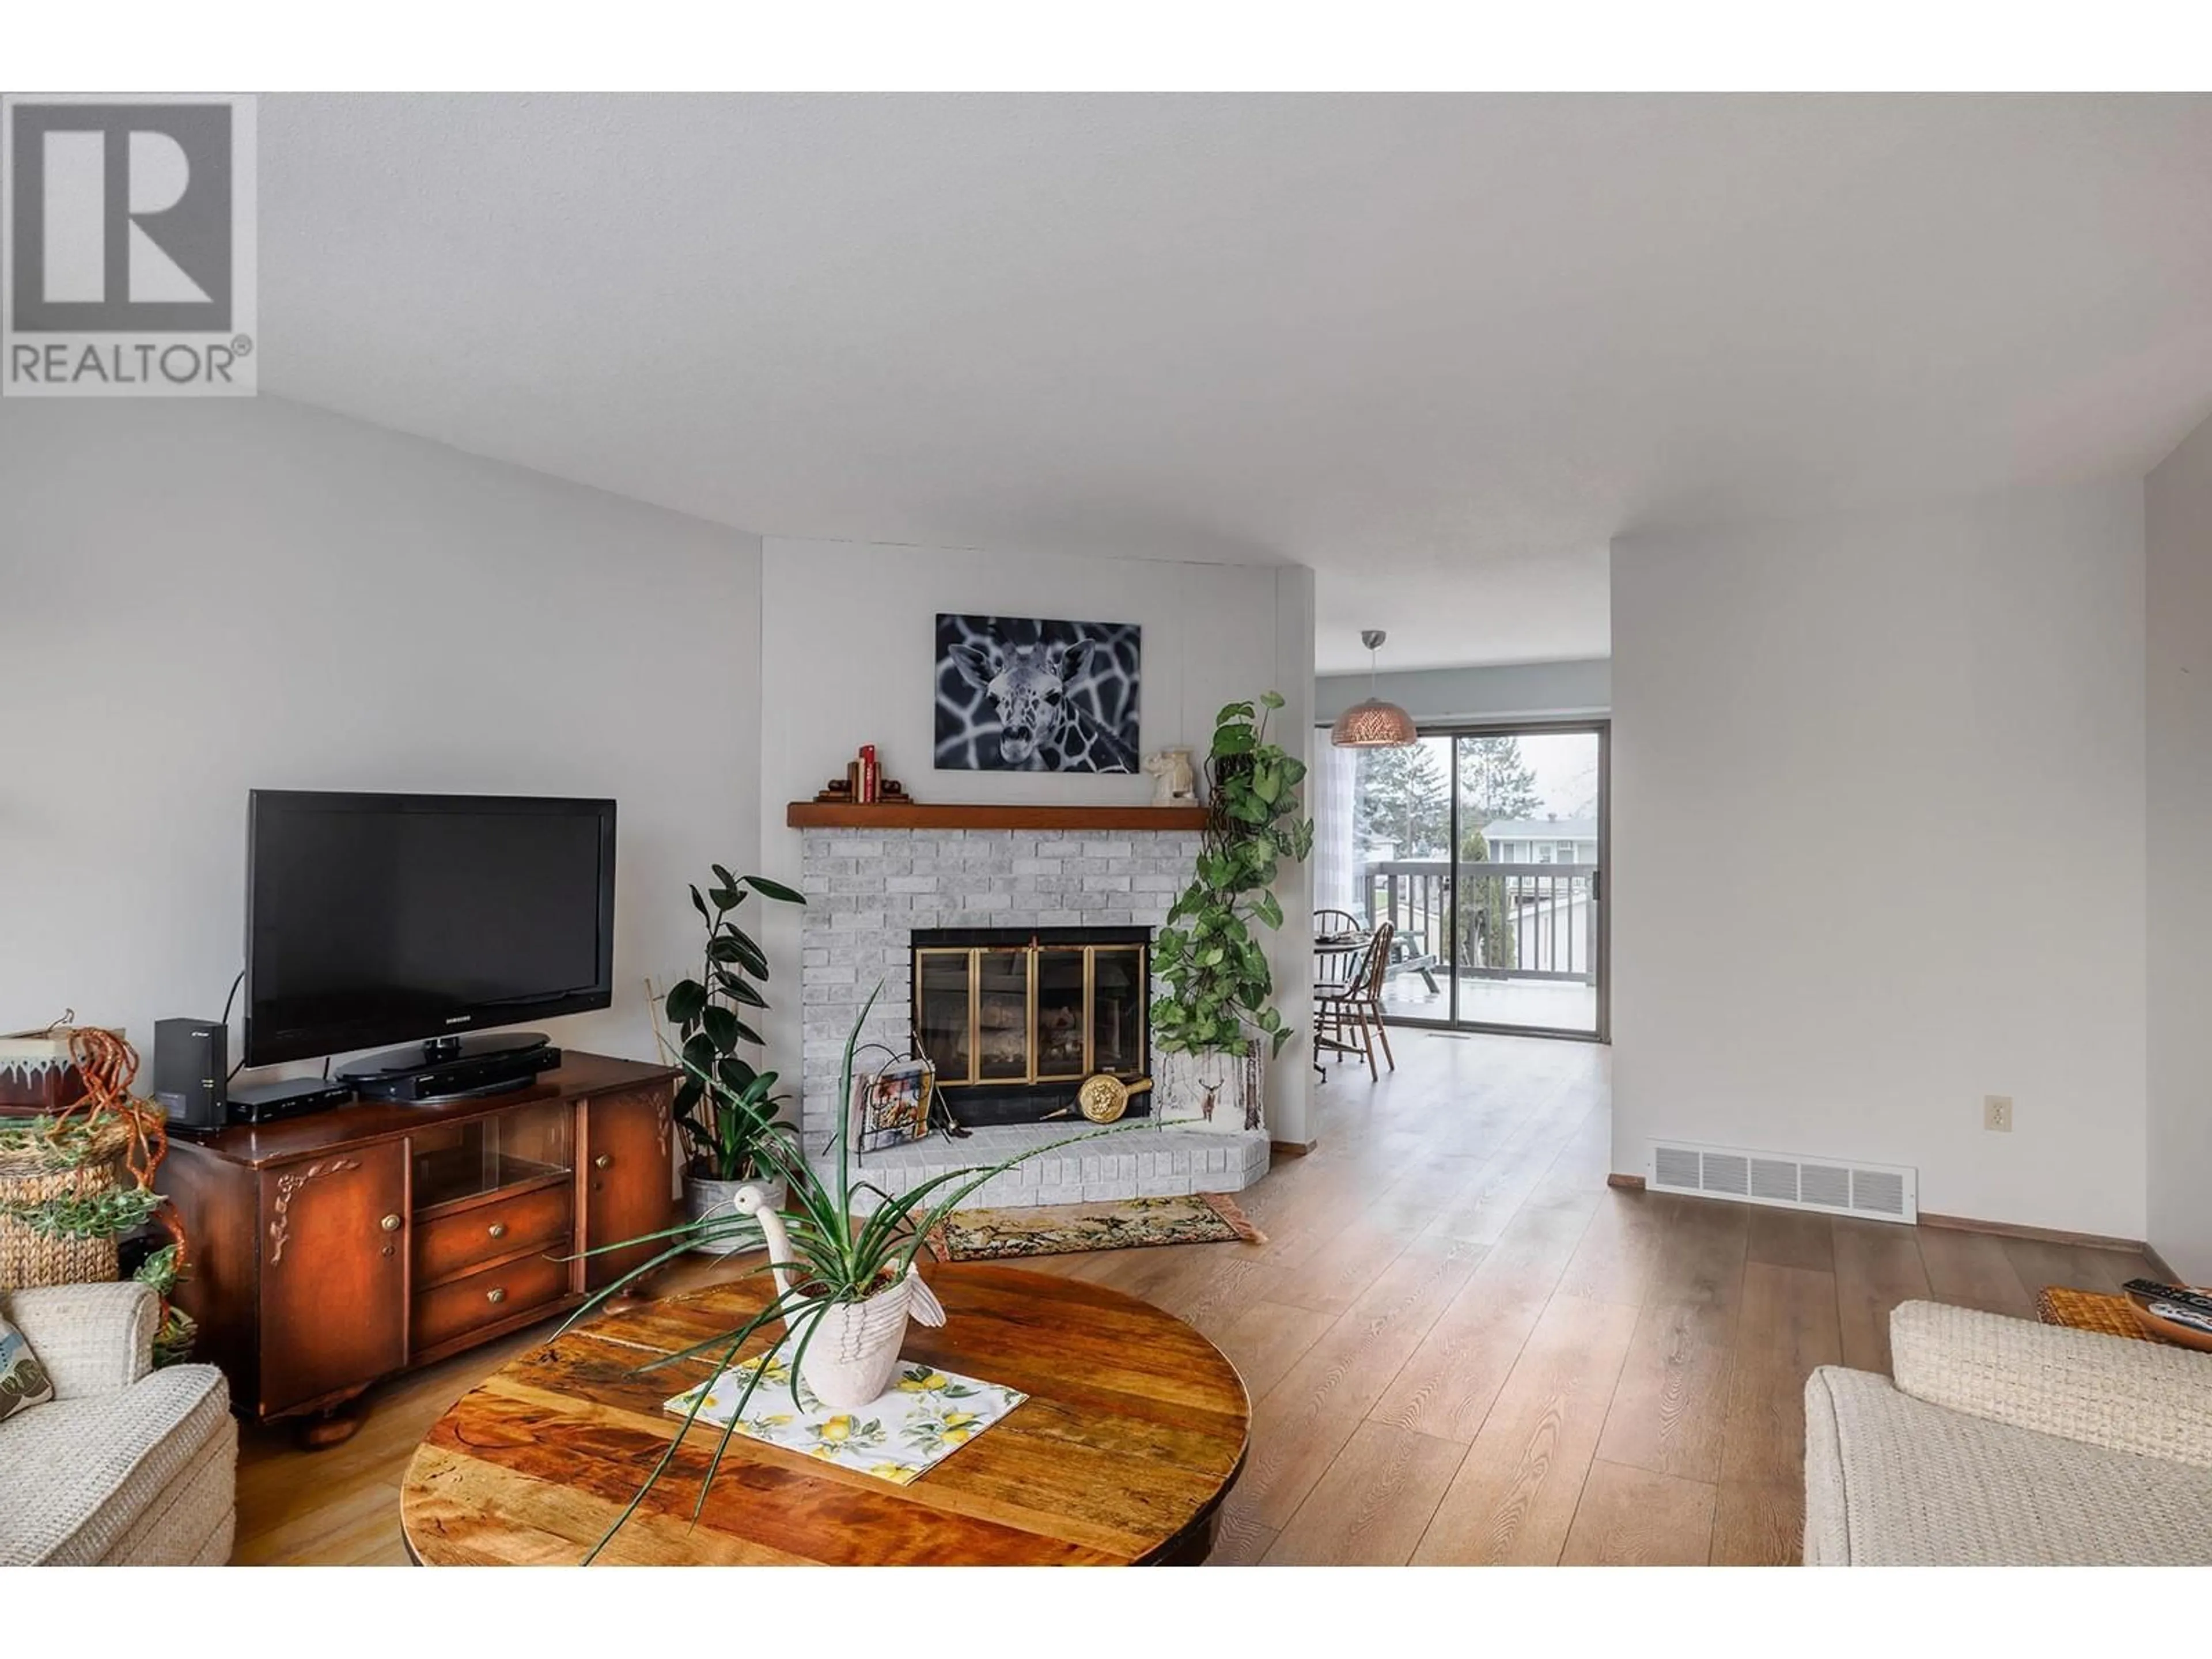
point(1996, 1113)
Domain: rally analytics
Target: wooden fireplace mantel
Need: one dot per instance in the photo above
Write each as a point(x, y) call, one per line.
point(909, 814)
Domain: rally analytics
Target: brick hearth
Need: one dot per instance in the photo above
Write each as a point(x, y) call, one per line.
point(1111, 1163)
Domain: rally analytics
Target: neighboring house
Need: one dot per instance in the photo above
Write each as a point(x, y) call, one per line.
point(1542, 841)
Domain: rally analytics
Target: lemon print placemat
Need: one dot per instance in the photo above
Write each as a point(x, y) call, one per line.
point(926, 1417)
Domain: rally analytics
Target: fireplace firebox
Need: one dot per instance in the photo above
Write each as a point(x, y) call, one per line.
point(1014, 1020)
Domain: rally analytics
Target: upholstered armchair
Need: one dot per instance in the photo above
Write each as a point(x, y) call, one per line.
point(126, 1465)
point(2005, 1443)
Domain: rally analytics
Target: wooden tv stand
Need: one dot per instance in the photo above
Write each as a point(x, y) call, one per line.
point(330, 1251)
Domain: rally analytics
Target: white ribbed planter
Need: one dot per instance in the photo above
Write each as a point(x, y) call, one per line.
point(852, 1347)
point(853, 1350)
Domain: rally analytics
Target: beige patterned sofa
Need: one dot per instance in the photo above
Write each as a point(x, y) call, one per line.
point(2004, 1442)
point(126, 1465)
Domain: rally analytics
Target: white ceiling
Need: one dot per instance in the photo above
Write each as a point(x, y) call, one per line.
point(1441, 349)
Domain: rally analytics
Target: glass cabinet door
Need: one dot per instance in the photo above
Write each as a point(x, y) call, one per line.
point(1002, 1016)
point(941, 1014)
point(1061, 1049)
point(518, 1148)
point(1118, 1008)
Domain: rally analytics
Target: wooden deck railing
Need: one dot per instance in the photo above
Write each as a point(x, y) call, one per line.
point(1498, 920)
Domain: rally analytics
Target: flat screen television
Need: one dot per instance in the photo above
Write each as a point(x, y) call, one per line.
point(378, 919)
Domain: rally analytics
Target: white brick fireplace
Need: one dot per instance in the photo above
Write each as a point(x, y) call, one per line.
point(868, 890)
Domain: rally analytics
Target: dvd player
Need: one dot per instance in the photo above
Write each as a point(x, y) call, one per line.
point(266, 1103)
point(453, 1068)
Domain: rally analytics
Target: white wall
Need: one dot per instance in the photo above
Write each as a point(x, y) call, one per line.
point(848, 657)
point(1851, 697)
point(205, 597)
point(1525, 690)
point(2178, 533)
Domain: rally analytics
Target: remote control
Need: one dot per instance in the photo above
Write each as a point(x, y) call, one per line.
point(2187, 1318)
point(2196, 1302)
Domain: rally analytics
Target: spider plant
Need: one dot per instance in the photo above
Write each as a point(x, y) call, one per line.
point(842, 1256)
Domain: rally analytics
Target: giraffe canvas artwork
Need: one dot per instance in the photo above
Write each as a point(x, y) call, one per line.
point(1029, 695)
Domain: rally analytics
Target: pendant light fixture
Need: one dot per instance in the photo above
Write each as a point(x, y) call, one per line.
point(1373, 724)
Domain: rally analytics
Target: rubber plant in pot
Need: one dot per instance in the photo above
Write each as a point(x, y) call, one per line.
point(731, 1131)
point(842, 1259)
point(1210, 1027)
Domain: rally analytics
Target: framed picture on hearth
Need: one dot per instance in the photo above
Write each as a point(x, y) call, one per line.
point(891, 1108)
point(1026, 694)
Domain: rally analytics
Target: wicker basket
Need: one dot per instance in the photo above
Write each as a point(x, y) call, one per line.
point(88, 1161)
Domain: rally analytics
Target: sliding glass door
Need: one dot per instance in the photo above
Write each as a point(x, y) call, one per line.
point(1484, 848)
point(1528, 879)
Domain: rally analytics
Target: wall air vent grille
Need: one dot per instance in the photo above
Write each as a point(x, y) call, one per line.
point(1673, 1167)
point(1725, 1172)
point(1824, 1186)
point(1774, 1180)
point(1781, 1180)
point(1877, 1192)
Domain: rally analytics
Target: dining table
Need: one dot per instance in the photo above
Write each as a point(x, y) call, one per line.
point(1337, 952)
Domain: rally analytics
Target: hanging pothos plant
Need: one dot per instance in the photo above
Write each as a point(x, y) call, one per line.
point(1219, 989)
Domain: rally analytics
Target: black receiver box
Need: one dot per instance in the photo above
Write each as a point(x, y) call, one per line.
point(266, 1103)
point(191, 1060)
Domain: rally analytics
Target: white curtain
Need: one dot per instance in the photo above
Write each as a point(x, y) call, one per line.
point(1336, 859)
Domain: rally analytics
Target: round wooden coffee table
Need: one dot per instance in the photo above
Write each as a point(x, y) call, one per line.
point(1134, 1432)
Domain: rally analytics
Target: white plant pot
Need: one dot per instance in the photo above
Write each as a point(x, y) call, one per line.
point(1212, 1090)
point(704, 1196)
point(852, 1347)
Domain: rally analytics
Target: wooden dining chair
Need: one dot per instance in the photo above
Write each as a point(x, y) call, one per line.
point(1330, 922)
point(1338, 925)
point(1348, 1018)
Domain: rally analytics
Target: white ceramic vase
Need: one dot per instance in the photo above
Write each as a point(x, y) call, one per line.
point(852, 1350)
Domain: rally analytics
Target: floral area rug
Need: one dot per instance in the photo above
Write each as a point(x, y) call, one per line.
point(1070, 1229)
point(926, 1416)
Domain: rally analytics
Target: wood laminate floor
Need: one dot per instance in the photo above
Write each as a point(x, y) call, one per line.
point(1462, 1345)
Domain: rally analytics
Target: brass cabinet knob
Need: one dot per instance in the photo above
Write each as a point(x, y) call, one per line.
point(498, 1230)
point(496, 1294)
point(604, 1161)
point(390, 1223)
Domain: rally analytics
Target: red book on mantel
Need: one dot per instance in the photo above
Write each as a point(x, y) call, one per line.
point(870, 775)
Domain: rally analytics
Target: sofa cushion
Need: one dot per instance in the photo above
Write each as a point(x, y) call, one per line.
point(2108, 1391)
point(1895, 1481)
point(23, 1381)
point(80, 1479)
